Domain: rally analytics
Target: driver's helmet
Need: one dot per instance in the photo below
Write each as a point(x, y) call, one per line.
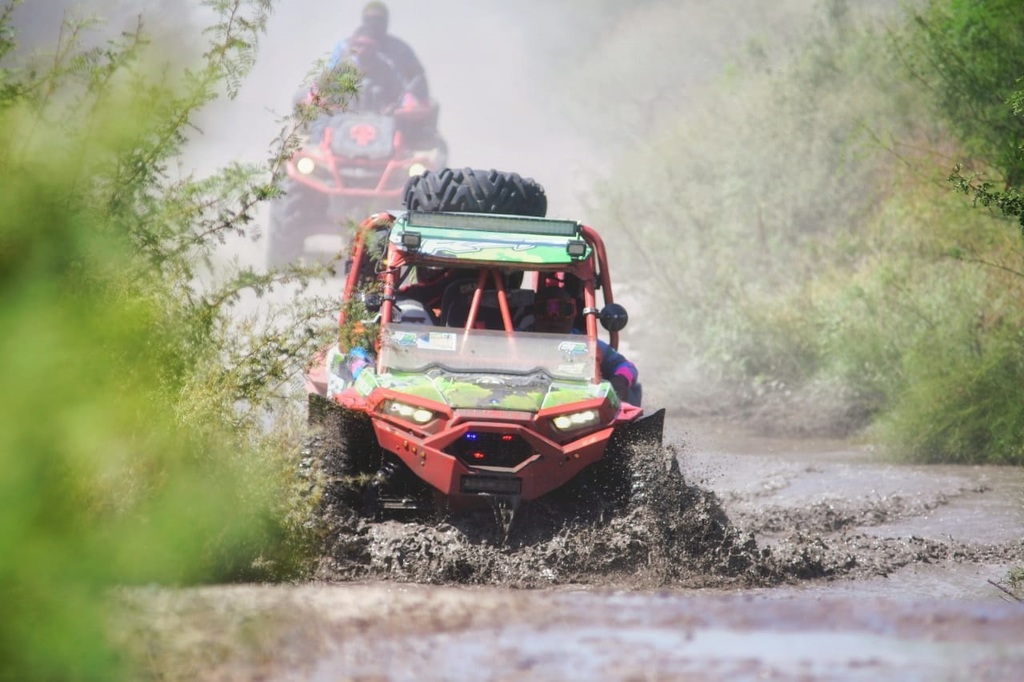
point(375, 19)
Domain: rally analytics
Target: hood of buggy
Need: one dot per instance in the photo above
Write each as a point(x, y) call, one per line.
point(519, 393)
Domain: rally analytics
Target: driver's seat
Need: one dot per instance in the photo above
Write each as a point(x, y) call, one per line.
point(456, 302)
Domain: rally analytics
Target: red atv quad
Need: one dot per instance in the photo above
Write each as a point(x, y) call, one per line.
point(351, 164)
point(435, 397)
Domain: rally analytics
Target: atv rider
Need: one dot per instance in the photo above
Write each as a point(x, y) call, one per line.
point(381, 90)
point(393, 50)
point(555, 311)
point(413, 108)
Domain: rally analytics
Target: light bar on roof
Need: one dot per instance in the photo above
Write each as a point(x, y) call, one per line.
point(492, 223)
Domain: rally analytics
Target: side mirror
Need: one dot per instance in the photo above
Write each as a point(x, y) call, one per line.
point(613, 317)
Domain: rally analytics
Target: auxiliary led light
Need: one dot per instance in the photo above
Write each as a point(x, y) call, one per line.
point(305, 165)
point(576, 248)
point(562, 422)
point(576, 420)
point(418, 415)
point(411, 240)
point(416, 169)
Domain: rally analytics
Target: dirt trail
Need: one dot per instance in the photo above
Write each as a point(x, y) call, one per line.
point(737, 513)
point(837, 566)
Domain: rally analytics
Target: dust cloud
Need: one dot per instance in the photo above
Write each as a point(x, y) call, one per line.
point(556, 91)
point(550, 90)
point(497, 106)
point(522, 87)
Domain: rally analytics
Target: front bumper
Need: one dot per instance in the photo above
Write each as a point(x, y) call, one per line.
point(441, 462)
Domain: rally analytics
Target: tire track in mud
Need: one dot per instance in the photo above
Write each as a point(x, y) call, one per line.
point(673, 533)
point(859, 556)
point(828, 516)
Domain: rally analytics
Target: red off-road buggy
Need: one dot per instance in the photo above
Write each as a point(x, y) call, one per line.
point(434, 397)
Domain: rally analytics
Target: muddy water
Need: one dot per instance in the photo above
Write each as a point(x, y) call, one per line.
point(766, 559)
point(734, 511)
point(925, 531)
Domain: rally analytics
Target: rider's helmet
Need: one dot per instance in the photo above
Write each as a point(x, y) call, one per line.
point(375, 19)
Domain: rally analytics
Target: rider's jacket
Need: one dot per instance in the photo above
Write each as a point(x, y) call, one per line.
point(401, 58)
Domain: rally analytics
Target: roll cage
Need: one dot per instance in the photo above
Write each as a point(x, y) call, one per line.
point(493, 250)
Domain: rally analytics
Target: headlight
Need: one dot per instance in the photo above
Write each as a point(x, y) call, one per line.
point(575, 420)
point(305, 165)
point(411, 413)
point(416, 169)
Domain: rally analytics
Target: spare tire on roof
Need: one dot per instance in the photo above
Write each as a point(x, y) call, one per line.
point(468, 190)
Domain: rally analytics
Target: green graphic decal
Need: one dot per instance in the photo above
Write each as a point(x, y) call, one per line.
point(366, 381)
point(493, 392)
point(564, 393)
point(414, 384)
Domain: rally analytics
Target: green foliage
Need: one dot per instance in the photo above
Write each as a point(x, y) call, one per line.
point(134, 447)
point(740, 198)
point(1009, 202)
point(963, 404)
point(971, 57)
point(1016, 580)
point(795, 231)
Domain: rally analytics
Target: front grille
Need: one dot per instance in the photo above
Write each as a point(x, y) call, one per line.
point(504, 450)
point(359, 177)
point(352, 173)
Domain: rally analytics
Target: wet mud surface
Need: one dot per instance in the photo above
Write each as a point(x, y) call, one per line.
point(751, 559)
point(670, 532)
point(784, 513)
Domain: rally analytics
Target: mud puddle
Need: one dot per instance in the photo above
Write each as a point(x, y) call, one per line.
point(653, 637)
point(760, 559)
point(735, 513)
point(894, 529)
point(670, 532)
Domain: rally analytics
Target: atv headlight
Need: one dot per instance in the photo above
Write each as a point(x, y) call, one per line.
point(575, 420)
point(416, 169)
point(305, 165)
point(417, 415)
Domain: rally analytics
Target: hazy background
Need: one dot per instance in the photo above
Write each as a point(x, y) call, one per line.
point(558, 90)
point(508, 75)
point(551, 90)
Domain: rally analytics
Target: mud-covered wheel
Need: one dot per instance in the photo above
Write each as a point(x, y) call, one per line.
point(612, 477)
point(344, 446)
point(475, 191)
point(632, 463)
point(287, 228)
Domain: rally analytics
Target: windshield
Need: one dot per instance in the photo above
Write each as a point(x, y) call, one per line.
point(420, 348)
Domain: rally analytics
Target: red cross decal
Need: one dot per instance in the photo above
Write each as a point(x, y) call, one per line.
point(362, 133)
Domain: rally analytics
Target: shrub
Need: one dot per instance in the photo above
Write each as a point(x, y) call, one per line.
point(134, 447)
